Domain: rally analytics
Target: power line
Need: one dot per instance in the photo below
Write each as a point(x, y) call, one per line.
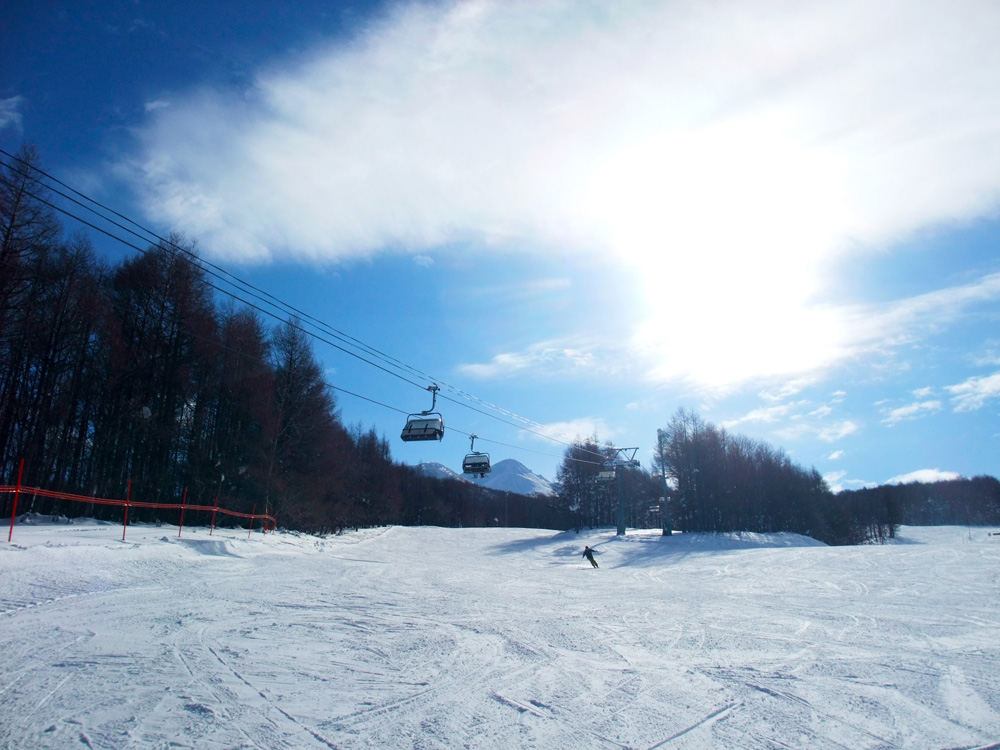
point(263, 297)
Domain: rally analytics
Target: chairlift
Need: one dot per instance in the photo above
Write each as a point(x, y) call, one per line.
point(427, 425)
point(476, 462)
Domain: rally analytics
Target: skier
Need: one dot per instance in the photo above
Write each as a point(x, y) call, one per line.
point(589, 554)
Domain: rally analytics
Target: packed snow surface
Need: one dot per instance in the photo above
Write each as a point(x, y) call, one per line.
point(496, 638)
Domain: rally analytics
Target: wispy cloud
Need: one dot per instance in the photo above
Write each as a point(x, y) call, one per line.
point(551, 358)
point(624, 131)
point(489, 119)
point(795, 422)
point(975, 392)
point(910, 411)
point(826, 432)
point(785, 390)
point(835, 431)
point(987, 358)
point(10, 112)
point(924, 475)
point(582, 427)
point(520, 291)
point(833, 480)
point(765, 415)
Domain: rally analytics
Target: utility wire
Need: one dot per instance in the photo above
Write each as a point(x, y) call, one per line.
point(263, 296)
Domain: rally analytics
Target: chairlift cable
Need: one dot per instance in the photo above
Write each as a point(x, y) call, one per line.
point(235, 296)
point(216, 272)
point(210, 268)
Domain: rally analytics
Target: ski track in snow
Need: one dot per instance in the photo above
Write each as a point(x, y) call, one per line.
point(496, 638)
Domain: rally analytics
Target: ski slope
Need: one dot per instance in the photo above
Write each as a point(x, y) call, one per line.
point(496, 638)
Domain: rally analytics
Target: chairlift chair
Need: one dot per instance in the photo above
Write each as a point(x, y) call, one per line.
point(427, 425)
point(476, 462)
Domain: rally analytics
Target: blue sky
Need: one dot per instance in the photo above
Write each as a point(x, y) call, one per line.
point(782, 216)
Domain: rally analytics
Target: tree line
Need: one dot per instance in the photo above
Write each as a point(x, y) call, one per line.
point(962, 502)
point(588, 489)
point(133, 375)
point(715, 481)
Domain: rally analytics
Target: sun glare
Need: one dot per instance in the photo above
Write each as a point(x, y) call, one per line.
point(725, 227)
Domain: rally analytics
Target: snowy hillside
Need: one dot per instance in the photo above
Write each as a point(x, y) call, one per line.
point(507, 476)
point(513, 476)
point(496, 639)
point(438, 471)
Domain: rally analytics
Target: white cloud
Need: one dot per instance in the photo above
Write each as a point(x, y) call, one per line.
point(785, 390)
point(834, 479)
point(834, 432)
point(765, 415)
point(823, 411)
point(924, 475)
point(550, 357)
point(684, 139)
point(817, 429)
point(987, 358)
point(582, 428)
point(975, 392)
point(799, 425)
point(494, 119)
point(10, 112)
point(910, 412)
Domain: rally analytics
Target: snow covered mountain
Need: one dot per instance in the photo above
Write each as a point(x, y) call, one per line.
point(439, 471)
point(507, 476)
point(510, 475)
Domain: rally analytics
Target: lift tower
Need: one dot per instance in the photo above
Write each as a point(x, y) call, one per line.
point(623, 458)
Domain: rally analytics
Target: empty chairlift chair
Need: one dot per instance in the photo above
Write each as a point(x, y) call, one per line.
point(476, 462)
point(427, 425)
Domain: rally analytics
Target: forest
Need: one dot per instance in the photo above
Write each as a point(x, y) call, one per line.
point(133, 377)
point(714, 481)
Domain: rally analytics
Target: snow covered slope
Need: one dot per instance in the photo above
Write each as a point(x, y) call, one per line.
point(496, 639)
point(438, 471)
point(513, 476)
point(507, 475)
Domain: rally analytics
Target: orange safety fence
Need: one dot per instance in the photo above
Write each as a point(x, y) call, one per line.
point(127, 503)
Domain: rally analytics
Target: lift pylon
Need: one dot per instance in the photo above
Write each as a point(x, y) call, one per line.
point(624, 458)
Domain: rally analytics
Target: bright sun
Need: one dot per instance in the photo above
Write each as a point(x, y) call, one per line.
point(726, 227)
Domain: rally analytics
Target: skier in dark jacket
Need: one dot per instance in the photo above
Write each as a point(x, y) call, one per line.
point(589, 554)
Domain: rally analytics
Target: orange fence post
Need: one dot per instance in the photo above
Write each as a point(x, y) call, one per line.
point(183, 500)
point(214, 510)
point(17, 492)
point(128, 494)
point(253, 514)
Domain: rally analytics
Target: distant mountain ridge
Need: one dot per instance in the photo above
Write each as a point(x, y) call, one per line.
point(508, 475)
point(511, 475)
point(436, 470)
